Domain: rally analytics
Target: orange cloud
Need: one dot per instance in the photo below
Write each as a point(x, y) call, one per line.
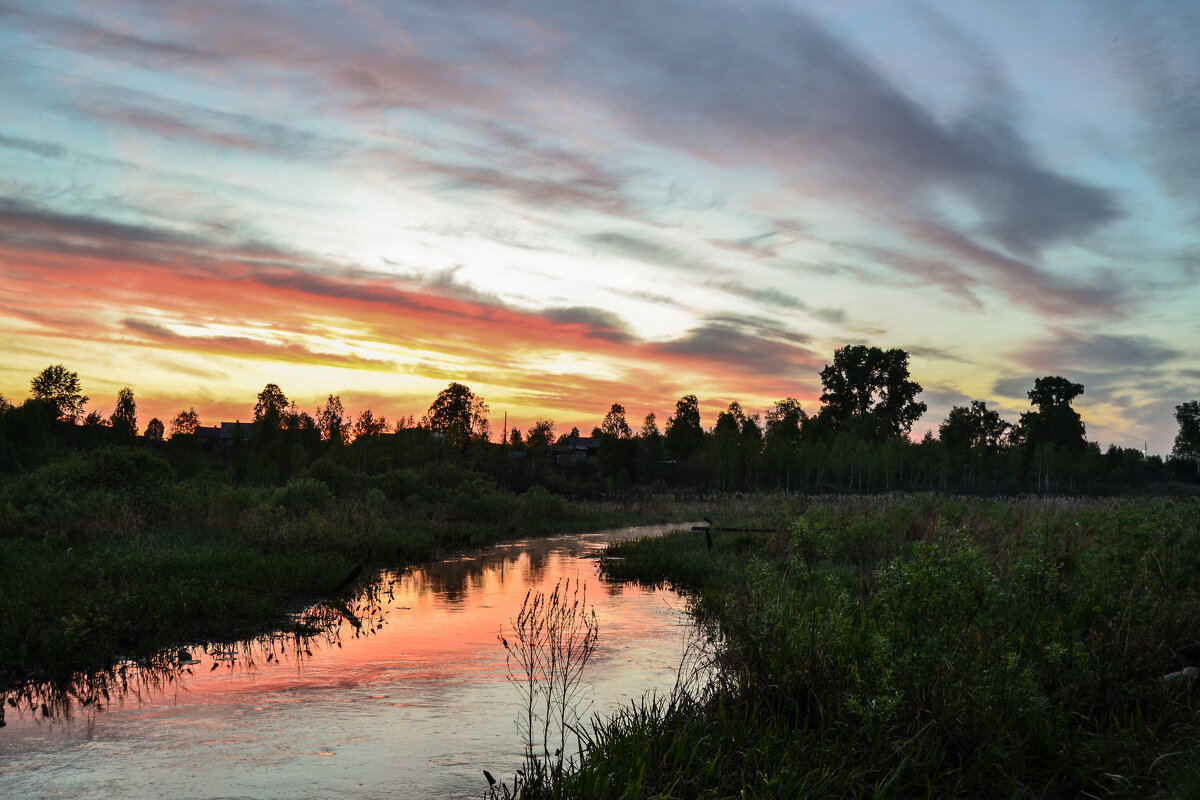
point(241, 305)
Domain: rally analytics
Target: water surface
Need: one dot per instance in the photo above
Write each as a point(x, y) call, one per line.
point(414, 703)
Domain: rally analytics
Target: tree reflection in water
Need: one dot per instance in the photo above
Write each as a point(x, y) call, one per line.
point(91, 693)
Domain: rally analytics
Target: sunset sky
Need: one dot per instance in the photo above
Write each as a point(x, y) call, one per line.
point(569, 204)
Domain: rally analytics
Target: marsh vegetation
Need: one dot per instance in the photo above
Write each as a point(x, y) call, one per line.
point(923, 646)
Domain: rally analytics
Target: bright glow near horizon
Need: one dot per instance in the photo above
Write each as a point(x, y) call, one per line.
point(566, 207)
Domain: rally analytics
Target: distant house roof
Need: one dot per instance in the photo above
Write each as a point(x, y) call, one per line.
point(576, 448)
point(223, 432)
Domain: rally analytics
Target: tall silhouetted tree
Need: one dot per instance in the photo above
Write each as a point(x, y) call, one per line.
point(614, 424)
point(723, 446)
point(651, 449)
point(541, 435)
point(974, 427)
point(1187, 441)
point(272, 405)
point(124, 415)
point(1052, 391)
point(59, 387)
point(459, 415)
point(1054, 422)
point(618, 451)
point(684, 436)
point(868, 391)
point(971, 439)
point(367, 424)
point(781, 439)
point(330, 420)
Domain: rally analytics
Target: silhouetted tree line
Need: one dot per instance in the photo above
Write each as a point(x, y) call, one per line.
point(858, 440)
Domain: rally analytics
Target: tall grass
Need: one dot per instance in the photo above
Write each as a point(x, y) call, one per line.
point(893, 647)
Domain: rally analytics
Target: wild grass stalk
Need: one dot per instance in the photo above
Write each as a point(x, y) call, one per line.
point(549, 645)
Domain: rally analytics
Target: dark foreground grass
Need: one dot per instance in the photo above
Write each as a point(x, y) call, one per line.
point(917, 647)
point(104, 560)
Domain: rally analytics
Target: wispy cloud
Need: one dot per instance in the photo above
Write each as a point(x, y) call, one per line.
point(778, 299)
point(1097, 351)
point(38, 148)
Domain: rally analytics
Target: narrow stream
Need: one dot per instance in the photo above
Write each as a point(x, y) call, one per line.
point(414, 704)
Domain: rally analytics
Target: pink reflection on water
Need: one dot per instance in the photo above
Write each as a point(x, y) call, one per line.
point(417, 706)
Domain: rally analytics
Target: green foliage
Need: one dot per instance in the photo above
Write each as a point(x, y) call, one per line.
point(1011, 648)
point(27, 436)
point(684, 437)
point(271, 406)
point(1055, 422)
point(540, 435)
point(367, 425)
point(330, 420)
point(302, 495)
point(124, 415)
point(868, 390)
point(104, 492)
point(1187, 441)
point(458, 414)
point(185, 423)
point(614, 425)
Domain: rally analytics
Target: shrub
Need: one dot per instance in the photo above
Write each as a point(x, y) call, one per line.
point(301, 495)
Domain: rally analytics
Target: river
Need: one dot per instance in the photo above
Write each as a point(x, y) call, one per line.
point(415, 703)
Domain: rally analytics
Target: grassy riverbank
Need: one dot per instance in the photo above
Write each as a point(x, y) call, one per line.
point(898, 647)
point(107, 555)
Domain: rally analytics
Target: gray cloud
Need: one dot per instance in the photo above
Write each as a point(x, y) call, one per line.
point(767, 297)
point(1154, 45)
point(586, 191)
point(601, 324)
point(642, 249)
point(87, 35)
point(43, 149)
point(939, 353)
point(651, 297)
point(1013, 386)
point(1104, 352)
point(220, 129)
point(746, 344)
point(238, 345)
point(767, 83)
point(778, 299)
point(445, 282)
point(34, 228)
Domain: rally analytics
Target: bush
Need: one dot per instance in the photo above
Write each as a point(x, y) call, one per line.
point(301, 495)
